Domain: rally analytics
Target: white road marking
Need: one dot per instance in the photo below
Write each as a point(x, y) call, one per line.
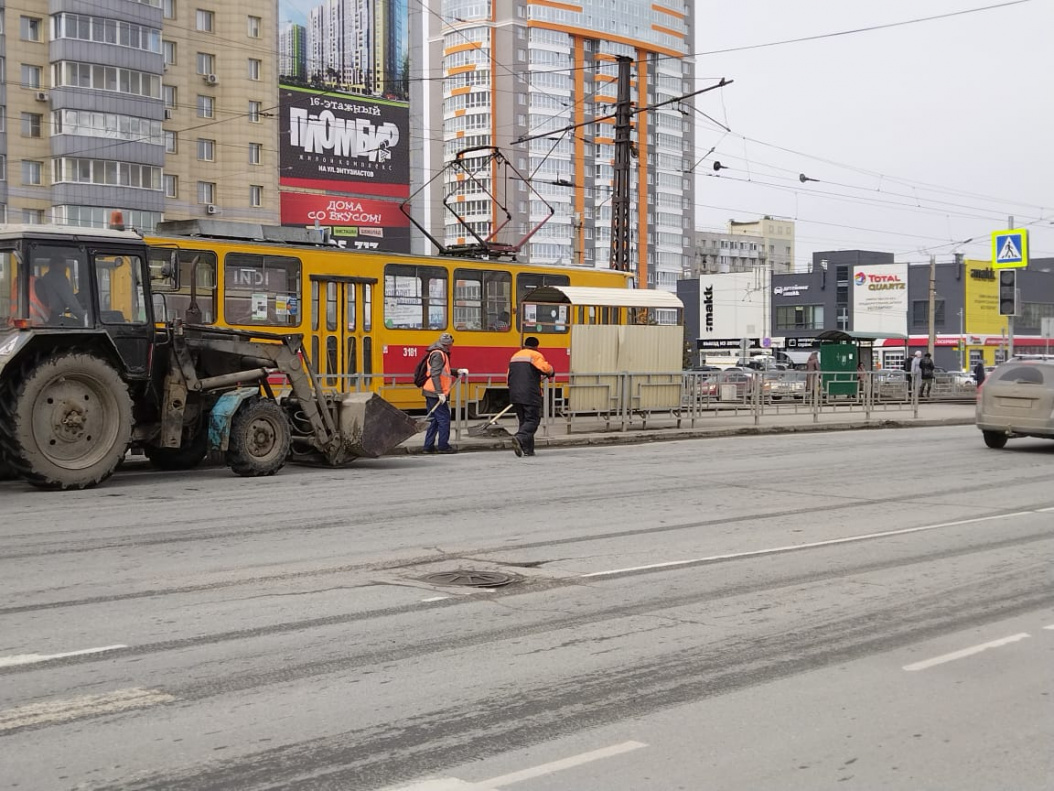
point(29, 659)
point(436, 598)
point(811, 545)
point(454, 784)
point(940, 660)
point(56, 711)
point(1049, 627)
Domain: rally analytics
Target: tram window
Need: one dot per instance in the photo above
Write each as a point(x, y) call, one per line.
point(482, 300)
point(529, 281)
point(261, 289)
point(415, 297)
point(367, 307)
point(331, 307)
point(349, 310)
point(353, 359)
point(315, 312)
point(199, 265)
point(367, 355)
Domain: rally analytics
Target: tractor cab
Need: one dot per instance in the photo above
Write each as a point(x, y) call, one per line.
point(58, 281)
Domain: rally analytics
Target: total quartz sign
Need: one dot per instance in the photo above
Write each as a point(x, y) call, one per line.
point(880, 299)
point(732, 305)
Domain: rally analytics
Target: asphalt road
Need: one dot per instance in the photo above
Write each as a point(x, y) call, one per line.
point(866, 609)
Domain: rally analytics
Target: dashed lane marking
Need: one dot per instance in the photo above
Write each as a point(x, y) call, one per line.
point(811, 545)
point(53, 712)
point(454, 784)
point(940, 660)
point(30, 659)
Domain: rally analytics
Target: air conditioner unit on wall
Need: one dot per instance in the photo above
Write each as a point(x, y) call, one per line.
point(41, 96)
point(168, 115)
point(212, 209)
point(211, 79)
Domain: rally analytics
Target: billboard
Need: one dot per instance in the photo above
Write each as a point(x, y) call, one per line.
point(344, 119)
point(355, 223)
point(880, 298)
point(981, 292)
point(352, 145)
point(732, 305)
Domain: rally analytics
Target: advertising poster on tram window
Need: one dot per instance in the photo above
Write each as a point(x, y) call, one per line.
point(880, 298)
point(355, 223)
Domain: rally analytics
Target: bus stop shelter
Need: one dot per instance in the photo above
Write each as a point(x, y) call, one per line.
point(841, 351)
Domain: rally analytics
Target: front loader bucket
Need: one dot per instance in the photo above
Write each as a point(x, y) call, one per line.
point(370, 426)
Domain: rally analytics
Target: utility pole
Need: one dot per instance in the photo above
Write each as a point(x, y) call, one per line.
point(933, 303)
point(623, 152)
point(1010, 319)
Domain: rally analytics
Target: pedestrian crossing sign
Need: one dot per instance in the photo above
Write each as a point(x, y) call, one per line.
point(1010, 249)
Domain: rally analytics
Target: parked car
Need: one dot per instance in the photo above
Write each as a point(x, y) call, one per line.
point(891, 384)
point(1017, 400)
point(715, 386)
point(780, 385)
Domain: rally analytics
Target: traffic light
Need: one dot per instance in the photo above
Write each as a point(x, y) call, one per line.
point(1007, 292)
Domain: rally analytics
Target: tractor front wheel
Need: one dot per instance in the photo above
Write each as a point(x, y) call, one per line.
point(260, 439)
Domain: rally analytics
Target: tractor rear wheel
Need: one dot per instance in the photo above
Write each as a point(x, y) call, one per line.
point(71, 421)
point(260, 439)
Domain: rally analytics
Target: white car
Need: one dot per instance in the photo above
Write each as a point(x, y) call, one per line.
point(1017, 400)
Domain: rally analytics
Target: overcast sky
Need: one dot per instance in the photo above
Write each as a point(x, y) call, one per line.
point(952, 117)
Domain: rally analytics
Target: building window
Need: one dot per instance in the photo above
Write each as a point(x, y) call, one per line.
point(799, 317)
point(168, 49)
point(168, 96)
point(255, 153)
point(206, 21)
point(33, 216)
point(254, 112)
point(206, 107)
point(31, 172)
point(206, 149)
point(29, 28)
point(255, 195)
point(206, 192)
point(31, 76)
point(3, 168)
point(254, 68)
point(31, 124)
point(171, 186)
point(920, 313)
point(171, 143)
point(206, 63)
point(168, 9)
point(255, 25)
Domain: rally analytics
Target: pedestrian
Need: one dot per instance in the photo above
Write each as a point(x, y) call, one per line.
point(915, 377)
point(812, 366)
point(526, 369)
point(861, 378)
point(926, 371)
point(436, 391)
point(979, 373)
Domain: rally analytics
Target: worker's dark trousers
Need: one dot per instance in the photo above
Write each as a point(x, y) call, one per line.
point(530, 416)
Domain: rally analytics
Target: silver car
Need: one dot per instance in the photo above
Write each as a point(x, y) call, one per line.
point(1017, 400)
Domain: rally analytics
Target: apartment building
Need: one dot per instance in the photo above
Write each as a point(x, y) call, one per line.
point(719, 252)
point(778, 236)
point(219, 97)
point(80, 92)
point(158, 108)
point(548, 71)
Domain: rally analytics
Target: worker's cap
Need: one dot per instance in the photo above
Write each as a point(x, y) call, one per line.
point(531, 342)
point(446, 339)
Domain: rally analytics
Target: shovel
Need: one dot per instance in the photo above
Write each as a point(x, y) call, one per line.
point(488, 428)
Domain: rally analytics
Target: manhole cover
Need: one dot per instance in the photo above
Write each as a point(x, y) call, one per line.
point(472, 579)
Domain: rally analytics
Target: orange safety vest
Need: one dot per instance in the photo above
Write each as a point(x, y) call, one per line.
point(38, 311)
point(446, 381)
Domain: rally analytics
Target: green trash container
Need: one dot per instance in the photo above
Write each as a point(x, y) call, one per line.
point(838, 369)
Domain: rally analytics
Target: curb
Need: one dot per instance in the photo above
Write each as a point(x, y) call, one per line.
point(671, 435)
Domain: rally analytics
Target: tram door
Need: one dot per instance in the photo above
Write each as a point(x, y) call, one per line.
point(342, 331)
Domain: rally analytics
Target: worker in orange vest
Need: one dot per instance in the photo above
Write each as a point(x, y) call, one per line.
point(526, 369)
point(436, 391)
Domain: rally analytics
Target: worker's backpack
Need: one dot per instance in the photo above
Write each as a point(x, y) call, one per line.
point(421, 371)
